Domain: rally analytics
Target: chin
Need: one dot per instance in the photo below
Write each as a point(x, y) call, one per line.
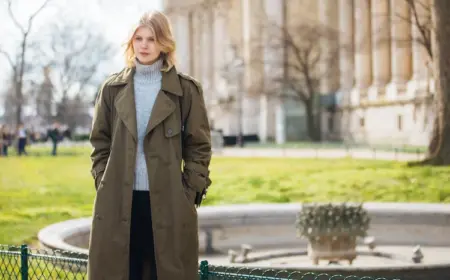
point(146, 60)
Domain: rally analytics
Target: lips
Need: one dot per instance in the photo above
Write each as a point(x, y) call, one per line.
point(143, 53)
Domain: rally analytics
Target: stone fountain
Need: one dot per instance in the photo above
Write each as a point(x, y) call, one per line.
point(408, 241)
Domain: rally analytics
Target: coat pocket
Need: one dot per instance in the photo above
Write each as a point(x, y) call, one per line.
point(188, 194)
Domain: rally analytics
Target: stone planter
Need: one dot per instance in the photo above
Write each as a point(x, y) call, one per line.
point(332, 230)
point(332, 248)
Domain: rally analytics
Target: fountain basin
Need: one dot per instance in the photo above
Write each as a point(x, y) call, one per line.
point(270, 227)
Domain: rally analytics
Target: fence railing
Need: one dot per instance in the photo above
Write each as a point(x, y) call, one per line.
point(24, 263)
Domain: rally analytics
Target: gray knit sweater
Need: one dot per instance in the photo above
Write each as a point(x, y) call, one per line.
point(147, 84)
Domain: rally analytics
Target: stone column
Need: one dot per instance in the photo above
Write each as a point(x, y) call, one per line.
point(273, 113)
point(197, 45)
point(363, 50)
point(421, 70)
point(346, 60)
point(180, 27)
point(346, 43)
point(400, 48)
point(381, 56)
point(280, 116)
point(206, 55)
point(328, 17)
point(251, 77)
point(246, 40)
point(221, 44)
point(329, 65)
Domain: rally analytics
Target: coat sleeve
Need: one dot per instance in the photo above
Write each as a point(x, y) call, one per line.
point(197, 142)
point(100, 136)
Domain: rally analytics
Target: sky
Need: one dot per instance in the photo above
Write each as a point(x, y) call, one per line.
point(113, 17)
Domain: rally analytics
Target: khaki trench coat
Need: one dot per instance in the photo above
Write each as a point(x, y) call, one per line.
point(172, 188)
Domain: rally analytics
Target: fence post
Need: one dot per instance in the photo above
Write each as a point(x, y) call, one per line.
point(24, 261)
point(204, 270)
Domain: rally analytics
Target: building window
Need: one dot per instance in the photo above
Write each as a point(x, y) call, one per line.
point(361, 122)
point(399, 123)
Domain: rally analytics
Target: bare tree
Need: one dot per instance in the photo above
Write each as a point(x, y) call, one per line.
point(421, 18)
point(440, 153)
point(301, 74)
point(18, 61)
point(232, 71)
point(76, 53)
point(43, 97)
point(9, 101)
point(422, 21)
point(72, 112)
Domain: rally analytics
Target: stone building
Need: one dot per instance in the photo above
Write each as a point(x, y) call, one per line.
point(380, 83)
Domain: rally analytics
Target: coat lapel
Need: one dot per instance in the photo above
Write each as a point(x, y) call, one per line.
point(165, 104)
point(162, 108)
point(124, 101)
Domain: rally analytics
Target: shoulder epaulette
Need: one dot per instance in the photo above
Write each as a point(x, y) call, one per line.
point(190, 78)
point(111, 77)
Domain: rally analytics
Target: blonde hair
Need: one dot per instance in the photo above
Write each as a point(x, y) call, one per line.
point(162, 30)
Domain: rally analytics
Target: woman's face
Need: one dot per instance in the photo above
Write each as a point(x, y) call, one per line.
point(146, 49)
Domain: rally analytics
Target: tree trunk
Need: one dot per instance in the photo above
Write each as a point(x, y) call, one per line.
point(440, 140)
point(313, 133)
point(19, 103)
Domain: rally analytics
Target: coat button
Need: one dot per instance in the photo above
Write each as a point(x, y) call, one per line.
point(169, 131)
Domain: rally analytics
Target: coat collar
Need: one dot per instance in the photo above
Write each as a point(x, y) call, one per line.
point(165, 103)
point(170, 81)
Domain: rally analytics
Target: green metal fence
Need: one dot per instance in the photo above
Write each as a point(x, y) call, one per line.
point(25, 263)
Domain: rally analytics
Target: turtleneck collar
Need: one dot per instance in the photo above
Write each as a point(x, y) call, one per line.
point(151, 73)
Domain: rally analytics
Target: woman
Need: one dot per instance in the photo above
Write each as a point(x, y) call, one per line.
point(148, 119)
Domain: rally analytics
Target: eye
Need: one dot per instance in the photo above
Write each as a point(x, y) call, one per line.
point(151, 39)
point(138, 38)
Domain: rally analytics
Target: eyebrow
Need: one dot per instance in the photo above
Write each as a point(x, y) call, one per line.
point(149, 37)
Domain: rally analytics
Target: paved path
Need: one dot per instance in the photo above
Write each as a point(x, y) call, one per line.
point(291, 152)
point(317, 153)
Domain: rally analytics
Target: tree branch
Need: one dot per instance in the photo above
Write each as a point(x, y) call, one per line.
point(13, 17)
point(30, 19)
point(8, 57)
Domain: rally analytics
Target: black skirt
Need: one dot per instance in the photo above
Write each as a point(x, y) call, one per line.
point(142, 249)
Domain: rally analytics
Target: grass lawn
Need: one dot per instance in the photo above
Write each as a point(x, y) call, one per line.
point(39, 189)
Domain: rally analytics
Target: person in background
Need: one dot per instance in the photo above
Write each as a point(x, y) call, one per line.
point(1, 139)
point(55, 136)
point(7, 140)
point(22, 139)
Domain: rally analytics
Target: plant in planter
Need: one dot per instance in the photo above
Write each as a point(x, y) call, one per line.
point(332, 230)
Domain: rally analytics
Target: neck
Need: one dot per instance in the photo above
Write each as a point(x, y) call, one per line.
point(151, 72)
